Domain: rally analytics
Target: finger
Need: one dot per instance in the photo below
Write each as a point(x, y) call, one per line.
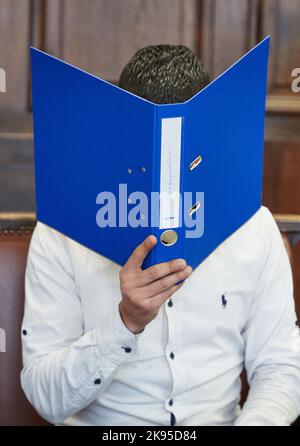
point(167, 282)
point(138, 256)
point(160, 270)
point(160, 299)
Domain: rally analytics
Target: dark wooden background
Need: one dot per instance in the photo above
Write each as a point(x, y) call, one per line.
point(101, 35)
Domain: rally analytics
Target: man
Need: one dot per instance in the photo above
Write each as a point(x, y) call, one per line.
point(105, 345)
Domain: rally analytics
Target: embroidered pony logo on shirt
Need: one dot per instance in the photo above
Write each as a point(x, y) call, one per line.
point(224, 301)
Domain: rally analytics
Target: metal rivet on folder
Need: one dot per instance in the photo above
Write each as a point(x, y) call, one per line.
point(129, 171)
point(143, 169)
point(169, 237)
point(194, 208)
point(195, 163)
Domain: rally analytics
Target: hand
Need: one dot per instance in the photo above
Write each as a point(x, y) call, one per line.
point(144, 291)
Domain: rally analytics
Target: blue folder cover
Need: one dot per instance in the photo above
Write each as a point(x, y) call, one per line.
point(91, 137)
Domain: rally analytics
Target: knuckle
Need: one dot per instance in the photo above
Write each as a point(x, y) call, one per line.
point(179, 276)
point(173, 265)
point(162, 284)
point(153, 273)
point(135, 256)
point(182, 274)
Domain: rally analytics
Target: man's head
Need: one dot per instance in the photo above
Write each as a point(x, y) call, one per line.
point(164, 74)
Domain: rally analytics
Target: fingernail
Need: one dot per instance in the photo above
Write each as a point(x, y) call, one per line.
point(181, 262)
point(189, 270)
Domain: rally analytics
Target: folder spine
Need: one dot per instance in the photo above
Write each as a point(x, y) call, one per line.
point(168, 183)
point(152, 257)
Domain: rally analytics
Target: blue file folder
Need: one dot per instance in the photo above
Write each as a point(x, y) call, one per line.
point(91, 137)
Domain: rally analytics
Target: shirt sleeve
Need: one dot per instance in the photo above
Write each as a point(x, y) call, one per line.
point(64, 369)
point(272, 340)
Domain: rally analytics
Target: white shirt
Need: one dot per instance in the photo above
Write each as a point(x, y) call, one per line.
point(82, 366)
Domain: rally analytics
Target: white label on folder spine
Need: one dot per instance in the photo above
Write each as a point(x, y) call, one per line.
point(170, 173)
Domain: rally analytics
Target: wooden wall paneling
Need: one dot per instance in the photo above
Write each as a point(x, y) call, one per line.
point(269, 24)
point(16, 162)
point(281, 19)
point(17, 185)
point(37, 23)
point(14, 34)
point(53, 27)
point(229, 29)
point(281, 177)
point(36, 37)
point(281, 189)
point(189, 17)
point(20, 27)
point(282, 127)
point(282, 155)
point(104, 35)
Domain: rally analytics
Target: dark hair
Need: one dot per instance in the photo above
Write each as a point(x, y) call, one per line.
point(164, 74)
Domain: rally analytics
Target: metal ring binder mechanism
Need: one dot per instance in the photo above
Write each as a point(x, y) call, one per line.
point(169, 237)
point(195, 163)
point(81, 120)
point(194, 208)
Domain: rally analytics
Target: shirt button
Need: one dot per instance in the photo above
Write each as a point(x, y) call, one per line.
point(172, 356)
point(173, 419)
point(171, 402)
point(127, 349)
point(97, 381)
point(170, 303)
